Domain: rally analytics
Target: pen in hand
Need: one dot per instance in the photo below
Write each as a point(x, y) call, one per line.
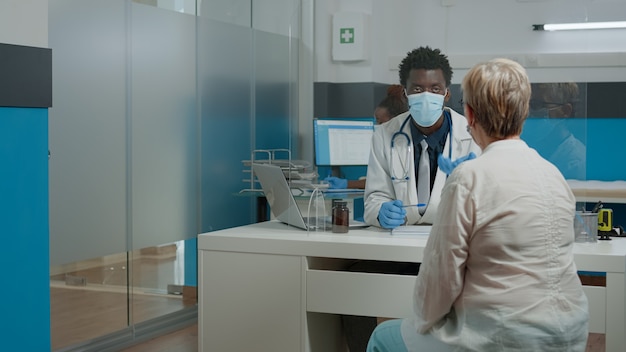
point(414, 205)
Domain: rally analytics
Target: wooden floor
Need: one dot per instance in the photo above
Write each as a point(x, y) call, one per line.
point(80, 315)
point(93, 298)
point(595, 343)
point(185, 340)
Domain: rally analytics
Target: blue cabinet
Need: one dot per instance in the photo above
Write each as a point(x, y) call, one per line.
point(25, 299)
point(25, 96)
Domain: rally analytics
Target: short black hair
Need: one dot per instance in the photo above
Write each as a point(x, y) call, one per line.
point(425, 58)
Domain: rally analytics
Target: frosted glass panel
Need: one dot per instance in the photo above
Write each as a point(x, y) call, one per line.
point(183, 6)
point(164, 128)
point(276, 104)
point(225, 85)
point(276, 67)
point(237, 12)
point(87, 130)
point(277, 16)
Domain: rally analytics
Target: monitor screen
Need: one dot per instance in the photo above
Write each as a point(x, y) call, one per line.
point(342, 141)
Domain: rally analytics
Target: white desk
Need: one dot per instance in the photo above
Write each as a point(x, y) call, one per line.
point(270, 287)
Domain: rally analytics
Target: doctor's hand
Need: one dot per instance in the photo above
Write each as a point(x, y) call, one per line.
point(447, 165)
point(391, 214)
point(336, 182)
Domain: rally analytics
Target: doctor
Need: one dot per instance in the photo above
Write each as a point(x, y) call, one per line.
point(406, 151)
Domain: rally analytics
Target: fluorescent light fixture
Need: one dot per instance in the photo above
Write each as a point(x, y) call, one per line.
point(581, 25)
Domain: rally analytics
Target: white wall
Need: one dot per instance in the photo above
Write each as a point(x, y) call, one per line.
point(24, 22)
point(472, 31)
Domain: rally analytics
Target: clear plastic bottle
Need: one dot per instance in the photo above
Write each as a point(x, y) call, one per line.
point(341, 217)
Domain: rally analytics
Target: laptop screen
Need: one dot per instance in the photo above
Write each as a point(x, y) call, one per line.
point(278, 194)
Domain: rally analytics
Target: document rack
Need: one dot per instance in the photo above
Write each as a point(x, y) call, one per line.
point(293, 169)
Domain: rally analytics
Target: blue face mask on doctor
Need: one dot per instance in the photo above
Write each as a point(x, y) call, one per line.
point(426, 107)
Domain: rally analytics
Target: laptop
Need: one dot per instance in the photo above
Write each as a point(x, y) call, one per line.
point(283, 204)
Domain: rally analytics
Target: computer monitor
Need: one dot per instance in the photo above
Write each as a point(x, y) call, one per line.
point(341, 142)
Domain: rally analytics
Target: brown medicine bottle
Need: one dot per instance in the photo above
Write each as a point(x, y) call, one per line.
point(341, 217)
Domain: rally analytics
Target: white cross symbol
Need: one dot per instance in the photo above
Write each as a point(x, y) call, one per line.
point(347, 35)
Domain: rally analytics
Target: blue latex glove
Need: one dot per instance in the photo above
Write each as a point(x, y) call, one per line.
point(336, 182)
point(447, 165)
point(391, 214)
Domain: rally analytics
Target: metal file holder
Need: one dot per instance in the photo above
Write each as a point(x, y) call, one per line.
point(279, 157)
point(270, 157)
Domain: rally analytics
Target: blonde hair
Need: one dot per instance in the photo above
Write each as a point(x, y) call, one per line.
point(498, 91)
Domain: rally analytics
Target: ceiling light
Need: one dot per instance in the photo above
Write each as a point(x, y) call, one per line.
point(581, 25)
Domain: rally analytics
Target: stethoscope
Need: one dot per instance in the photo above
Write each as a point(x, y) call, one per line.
point(405, 163)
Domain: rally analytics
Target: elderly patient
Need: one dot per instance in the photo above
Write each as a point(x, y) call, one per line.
point(498, 272)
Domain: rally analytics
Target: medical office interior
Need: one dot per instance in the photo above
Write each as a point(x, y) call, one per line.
point(154, 104)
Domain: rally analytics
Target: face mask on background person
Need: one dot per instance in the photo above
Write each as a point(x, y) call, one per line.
point(426, 107)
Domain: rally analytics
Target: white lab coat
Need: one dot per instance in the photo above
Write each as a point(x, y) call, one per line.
point(498, 272)
point(380, 188)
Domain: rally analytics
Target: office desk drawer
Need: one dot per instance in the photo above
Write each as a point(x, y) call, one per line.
point(357, 293)
point(384, 295)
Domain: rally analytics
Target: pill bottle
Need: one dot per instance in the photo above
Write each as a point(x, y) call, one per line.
point(341, 217)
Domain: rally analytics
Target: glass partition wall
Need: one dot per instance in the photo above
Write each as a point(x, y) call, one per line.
point(156, 104)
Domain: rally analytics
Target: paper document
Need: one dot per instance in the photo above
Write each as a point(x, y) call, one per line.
point(417, 230)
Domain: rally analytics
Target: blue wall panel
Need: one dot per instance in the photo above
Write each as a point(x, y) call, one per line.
point(606, 160)
point(24, 228)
